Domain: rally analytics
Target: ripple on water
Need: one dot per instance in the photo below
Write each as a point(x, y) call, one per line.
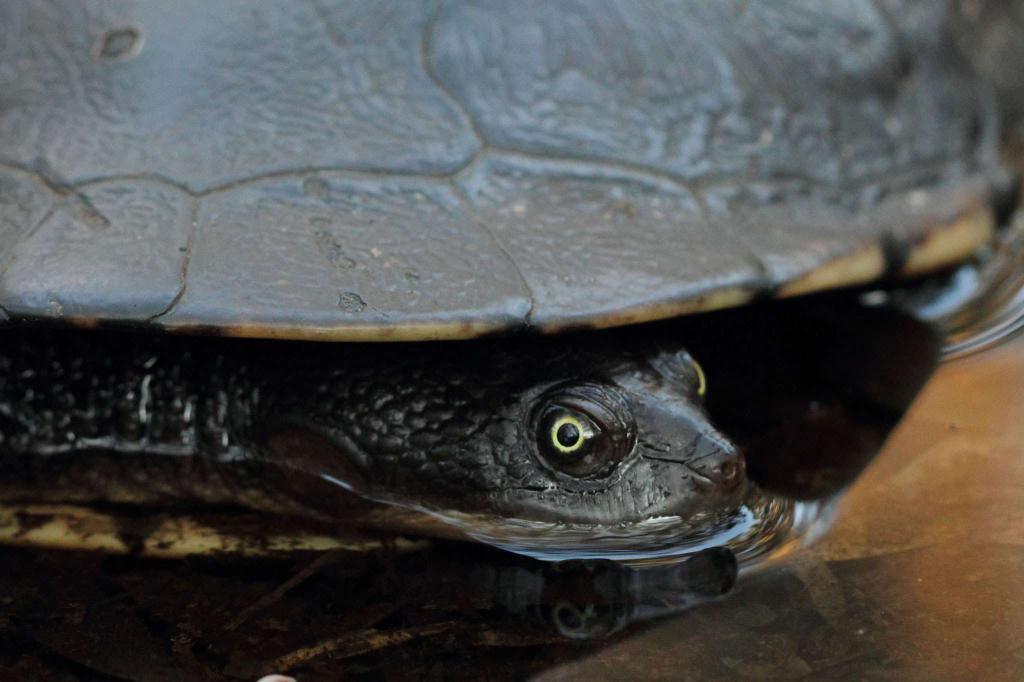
point(979, 305)
point(763, 527)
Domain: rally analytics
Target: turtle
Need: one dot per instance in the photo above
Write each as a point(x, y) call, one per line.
point(450, 254)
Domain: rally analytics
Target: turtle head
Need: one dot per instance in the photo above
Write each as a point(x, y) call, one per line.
point(623, 439)
point(602, 430)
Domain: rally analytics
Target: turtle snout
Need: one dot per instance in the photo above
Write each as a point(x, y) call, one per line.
point(718, 461)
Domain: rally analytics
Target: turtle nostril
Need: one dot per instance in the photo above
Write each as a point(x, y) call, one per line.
point(728, 470)
point(731, 471)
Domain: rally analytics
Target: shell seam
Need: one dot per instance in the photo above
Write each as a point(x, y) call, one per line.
point(468, 207)
point(763, 283)
point(638, 173)
point(9, 258)
point(189, 243)
point(426, 43)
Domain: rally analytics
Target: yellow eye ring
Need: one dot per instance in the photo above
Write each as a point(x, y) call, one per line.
point(581, 429)
point(702, 382)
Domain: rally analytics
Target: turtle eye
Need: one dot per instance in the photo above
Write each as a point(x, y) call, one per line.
point(572, 442)
point(568, 434)
point(702, 380)
point(580, 432)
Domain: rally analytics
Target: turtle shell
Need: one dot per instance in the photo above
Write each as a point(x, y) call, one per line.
point(401, 171)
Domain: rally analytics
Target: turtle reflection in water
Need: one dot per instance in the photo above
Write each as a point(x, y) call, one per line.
point(590, 168)
point(486, 612)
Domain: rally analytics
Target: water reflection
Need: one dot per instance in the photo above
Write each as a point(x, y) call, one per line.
point(583, 599)
point(978, 305)
point(339, 613)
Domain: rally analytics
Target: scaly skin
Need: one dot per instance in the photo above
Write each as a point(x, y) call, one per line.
point(449, 425)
